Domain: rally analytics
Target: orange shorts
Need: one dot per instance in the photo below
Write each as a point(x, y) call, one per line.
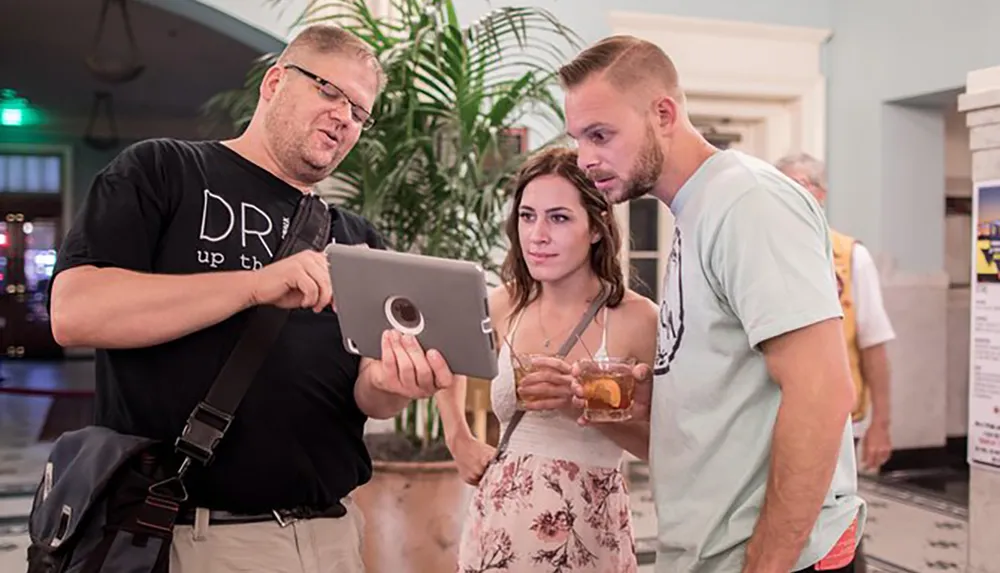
point(843, 551)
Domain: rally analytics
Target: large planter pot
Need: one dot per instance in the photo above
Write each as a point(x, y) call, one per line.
point(413, 517)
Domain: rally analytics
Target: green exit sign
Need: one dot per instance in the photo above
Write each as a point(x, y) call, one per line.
point(11, 116)
point(16, 111)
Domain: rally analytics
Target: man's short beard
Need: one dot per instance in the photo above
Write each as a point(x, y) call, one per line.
point(647, 170)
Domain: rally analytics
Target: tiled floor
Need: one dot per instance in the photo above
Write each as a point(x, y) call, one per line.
point(949, 483)
point(906, 532)
point(909, 530)
point(915, 531)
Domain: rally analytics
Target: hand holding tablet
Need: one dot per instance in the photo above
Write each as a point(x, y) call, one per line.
point(441, 303)
point(405, 369)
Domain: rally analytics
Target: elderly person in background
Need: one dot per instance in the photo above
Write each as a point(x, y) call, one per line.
point(867, 329)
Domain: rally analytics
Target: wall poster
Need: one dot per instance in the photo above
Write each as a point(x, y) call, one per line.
point(984, 365)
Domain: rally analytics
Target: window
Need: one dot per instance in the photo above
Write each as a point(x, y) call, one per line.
point(650, 224)
point(643, 219)
point(644, 278)
point(24, 173)
point(511, 143)
point(643, 248)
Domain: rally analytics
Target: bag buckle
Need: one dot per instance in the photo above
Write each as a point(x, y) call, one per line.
point(205, 427)
point(172, 488)
point(284, 519)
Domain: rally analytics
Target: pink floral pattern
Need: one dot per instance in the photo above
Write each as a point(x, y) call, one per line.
point(535, 514)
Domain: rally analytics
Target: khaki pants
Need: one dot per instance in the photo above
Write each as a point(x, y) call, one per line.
point(310, 546)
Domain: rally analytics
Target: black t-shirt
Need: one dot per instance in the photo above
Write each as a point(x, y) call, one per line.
point(173, 207)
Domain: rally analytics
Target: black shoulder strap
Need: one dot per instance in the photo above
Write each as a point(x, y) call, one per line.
point(563, 351)
point(208, 422)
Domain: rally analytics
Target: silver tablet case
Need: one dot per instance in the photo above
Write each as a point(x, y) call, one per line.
point(442, 302)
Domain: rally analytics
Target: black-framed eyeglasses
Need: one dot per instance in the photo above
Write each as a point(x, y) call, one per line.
point(334, 93)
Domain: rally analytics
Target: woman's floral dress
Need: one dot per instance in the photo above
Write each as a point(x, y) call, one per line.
point(554, 500)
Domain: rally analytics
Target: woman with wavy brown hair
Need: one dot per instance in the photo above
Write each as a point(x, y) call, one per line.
point(554, 498)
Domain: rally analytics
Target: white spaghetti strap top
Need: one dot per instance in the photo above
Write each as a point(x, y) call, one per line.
point(549, 434)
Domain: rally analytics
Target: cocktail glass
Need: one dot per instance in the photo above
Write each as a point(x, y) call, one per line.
point(609, 387)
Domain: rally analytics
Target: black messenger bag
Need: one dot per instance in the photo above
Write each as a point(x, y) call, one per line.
point(105, 503)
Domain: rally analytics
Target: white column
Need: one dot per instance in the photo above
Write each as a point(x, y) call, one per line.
point(981, 103)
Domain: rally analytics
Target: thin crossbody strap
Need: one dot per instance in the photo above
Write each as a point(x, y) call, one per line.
point(563, 351)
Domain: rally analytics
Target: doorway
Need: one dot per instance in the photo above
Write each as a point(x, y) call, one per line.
point(32, 187)
point(649, 221)
point(757, 88)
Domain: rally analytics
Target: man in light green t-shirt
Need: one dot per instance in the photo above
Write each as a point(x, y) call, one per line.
point(749, 428)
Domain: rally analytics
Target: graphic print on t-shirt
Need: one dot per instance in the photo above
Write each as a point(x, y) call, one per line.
point(233, 233)
point(671, 331)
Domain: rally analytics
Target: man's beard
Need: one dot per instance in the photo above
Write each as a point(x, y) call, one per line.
point(647, 170)
point(289, 150)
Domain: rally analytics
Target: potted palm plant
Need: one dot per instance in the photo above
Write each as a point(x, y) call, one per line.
point(432, 176)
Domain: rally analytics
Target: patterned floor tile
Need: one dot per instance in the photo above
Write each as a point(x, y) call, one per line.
point(13, 548)
point(907, 532)
point(914, 531)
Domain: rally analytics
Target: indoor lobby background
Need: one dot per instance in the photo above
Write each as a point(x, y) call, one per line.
point(895, 95)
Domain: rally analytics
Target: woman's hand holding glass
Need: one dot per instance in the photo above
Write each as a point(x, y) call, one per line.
point(547, 384)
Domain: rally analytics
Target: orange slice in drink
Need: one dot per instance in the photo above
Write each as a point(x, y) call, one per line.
point(606, 390)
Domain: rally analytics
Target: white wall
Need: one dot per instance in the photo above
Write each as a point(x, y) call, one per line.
point(958, 244)
point(957, 158)
point(888, 190)
point(875, 56)
point(916, 301)
point(912, 190)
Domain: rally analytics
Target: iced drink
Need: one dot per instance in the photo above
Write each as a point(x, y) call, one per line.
point(523, 365)
point(608, 387)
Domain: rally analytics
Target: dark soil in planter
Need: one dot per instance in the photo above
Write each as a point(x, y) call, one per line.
point(392, 447)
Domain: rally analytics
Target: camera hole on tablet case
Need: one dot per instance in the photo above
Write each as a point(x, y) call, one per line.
point(403, 315)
